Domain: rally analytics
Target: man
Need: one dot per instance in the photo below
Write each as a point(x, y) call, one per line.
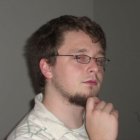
point(67, 58)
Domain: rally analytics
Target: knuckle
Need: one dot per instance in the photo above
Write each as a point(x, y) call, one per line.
point(110, 105)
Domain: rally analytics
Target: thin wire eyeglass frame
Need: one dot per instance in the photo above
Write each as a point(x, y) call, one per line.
point(85, 59)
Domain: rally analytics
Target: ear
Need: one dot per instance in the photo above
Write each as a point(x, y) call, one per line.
point(45, 68)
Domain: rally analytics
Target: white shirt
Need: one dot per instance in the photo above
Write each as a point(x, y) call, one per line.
point(40, 124)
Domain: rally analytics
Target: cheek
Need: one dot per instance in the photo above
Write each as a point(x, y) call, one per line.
point(100, 76)
point(72, 74)
point(66, 72)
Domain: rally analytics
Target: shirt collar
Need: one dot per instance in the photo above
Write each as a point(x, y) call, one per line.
point(51, 123)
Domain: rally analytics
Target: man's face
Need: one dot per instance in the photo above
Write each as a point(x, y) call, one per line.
point(75, 81)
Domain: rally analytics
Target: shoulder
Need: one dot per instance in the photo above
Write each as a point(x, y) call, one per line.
point(30, 128)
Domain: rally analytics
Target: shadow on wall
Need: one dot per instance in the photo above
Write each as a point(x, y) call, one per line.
point(33, 70)
point(138, 116)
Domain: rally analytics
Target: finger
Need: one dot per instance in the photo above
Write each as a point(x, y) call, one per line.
point(100, 105)
point(108, 108)
point(115, 113)
point(91, 103)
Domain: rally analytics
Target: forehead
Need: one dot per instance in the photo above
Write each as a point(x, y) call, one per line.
point(80, 42)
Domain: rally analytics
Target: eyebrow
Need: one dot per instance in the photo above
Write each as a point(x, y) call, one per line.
point(102, 52)
point(81, 50)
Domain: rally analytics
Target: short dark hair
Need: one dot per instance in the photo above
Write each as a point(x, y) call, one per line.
point(48, 38)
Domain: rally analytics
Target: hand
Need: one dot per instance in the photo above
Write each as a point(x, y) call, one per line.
point(101, 120)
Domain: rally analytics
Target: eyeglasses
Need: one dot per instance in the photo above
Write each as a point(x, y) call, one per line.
point(85, 59)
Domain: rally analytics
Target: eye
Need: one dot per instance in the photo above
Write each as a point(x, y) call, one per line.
point(82, 58)
point(101, 61)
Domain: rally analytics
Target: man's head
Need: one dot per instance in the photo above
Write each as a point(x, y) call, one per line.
point(48, 40)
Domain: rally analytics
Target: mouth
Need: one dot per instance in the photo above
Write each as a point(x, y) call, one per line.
point(91, 82)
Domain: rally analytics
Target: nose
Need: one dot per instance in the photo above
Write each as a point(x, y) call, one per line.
point(93, 67)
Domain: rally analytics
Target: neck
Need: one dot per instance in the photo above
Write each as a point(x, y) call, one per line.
point(71, 115)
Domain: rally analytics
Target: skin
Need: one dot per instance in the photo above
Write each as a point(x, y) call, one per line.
point(69, 78)
point(101, 120)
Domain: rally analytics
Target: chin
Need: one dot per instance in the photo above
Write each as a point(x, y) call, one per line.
point(79, 100)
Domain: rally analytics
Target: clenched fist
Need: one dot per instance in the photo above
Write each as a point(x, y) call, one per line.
point(101, 120)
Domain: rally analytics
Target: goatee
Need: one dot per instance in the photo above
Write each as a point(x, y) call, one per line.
point(78, 100)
